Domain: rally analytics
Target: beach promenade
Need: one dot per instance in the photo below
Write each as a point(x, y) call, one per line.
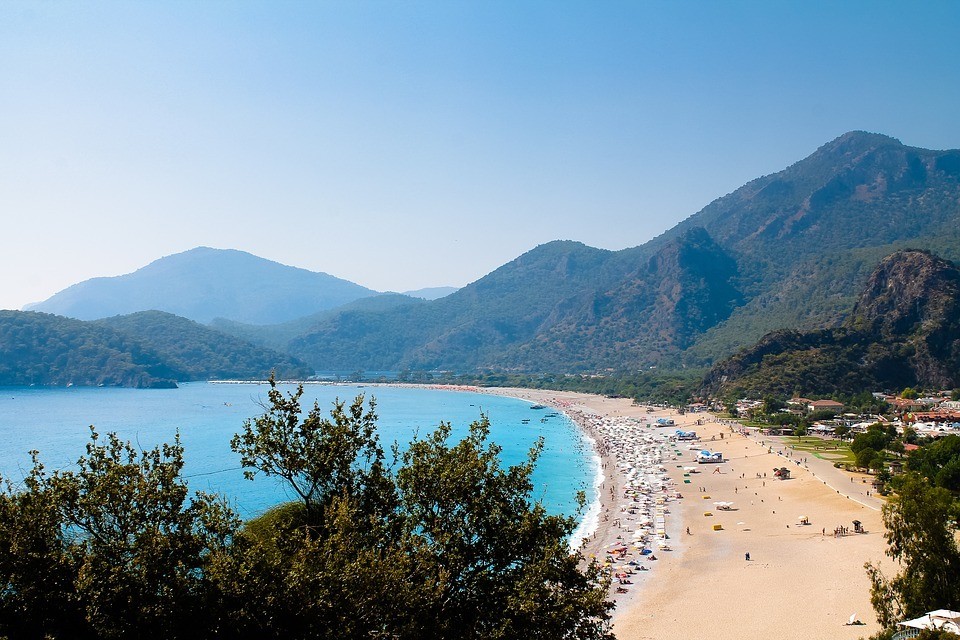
point(802, 581)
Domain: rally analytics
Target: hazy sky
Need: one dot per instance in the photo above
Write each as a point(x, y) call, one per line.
point(410, 144)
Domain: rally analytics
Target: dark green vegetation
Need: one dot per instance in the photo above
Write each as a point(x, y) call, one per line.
point(786, 251)
point(203, 284)
point(939, 463)
point(439, 542)
point(43, 349)
point(197, 352)
point(921, 523)
point(145, 350)
point(904, 331)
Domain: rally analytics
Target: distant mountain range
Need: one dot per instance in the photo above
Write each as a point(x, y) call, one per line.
point(203, 284)
point(786, 251)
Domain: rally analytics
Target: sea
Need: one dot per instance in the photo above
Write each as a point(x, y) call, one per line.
point(56, 423)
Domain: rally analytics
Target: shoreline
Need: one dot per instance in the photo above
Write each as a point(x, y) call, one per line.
point(800, 581)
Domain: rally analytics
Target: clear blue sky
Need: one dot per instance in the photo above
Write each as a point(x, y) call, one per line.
point(410, 144)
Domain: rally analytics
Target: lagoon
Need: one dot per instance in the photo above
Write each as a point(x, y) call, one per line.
point(55, 421)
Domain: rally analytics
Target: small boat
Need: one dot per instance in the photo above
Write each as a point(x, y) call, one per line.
point(537, 407)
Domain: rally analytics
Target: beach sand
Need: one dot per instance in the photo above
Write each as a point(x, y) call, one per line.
point(800, 582)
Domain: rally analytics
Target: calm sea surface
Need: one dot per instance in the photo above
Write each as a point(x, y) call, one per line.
point(56, 422)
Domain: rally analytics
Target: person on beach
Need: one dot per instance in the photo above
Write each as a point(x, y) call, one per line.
point(747, 556)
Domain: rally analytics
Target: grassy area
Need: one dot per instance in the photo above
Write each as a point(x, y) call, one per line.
point(832, 450)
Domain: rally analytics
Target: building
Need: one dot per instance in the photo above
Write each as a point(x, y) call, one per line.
point(825, 405)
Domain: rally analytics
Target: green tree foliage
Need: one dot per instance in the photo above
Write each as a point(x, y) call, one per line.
point(772, 405)
point(500, 563)
point(939, 462)
point(449, 544)
point(319, 458)
point(113, 549)
point(920, 532)
point(875, 437)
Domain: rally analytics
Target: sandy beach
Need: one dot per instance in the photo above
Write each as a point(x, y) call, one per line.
point(801, 581)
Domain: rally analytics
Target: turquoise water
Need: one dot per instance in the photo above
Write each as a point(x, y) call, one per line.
point(55, 422)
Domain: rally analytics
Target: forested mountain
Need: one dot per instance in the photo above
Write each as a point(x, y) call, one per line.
point(279, 336)
point(785, 251)
point(807, 238)
point(904, 331)
point(146, 350)
point(430, 293)
point(203, 284)
point(197, 352)
point(44, 349)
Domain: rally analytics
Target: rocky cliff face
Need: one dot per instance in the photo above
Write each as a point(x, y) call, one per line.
point(904, 330)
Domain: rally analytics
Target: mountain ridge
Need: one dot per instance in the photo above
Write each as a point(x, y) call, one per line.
point(903, 331)
point(204, 283)
point(787, 250)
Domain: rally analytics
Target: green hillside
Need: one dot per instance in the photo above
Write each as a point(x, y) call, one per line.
point(44, 349)
point(151, 349)
point(197, 352)
point(904, 331)
point(785, 251)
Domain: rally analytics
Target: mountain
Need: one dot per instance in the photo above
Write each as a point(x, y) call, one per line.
point(203, 284)
point(789, 250)
point(806, 238)
point(278, 336)
point(196, 352)
point(903, 331)
point(472, 327)
point(562, 306)
point(150, 349)
point(44, 349)
point(430, 293)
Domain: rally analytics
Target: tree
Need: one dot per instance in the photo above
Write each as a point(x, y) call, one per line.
point(447, 545)
point(939, 462)
point(125, 546)
point(319, 458)
point(772, 405)
point(501, 564)
point(36, 572)
point(450, 544)
point(841, 431)
point(920, 525)
point(865, 457)
point(909, 394)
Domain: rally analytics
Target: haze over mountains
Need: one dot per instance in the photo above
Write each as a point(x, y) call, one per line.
point(788, 250)
point(202, 284)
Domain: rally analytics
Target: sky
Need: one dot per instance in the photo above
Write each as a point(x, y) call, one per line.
point(408, 144)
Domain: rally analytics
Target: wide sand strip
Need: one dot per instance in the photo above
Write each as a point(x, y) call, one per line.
point(802, 581)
